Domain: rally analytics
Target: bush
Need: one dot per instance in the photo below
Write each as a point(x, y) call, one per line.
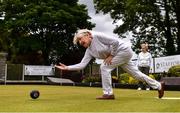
point(132, 80)
point(125, 78)
point(96, 78)
point(174, 71)
point(155, 76)
point(115, 79)
point(93, 79)
point(152, 76)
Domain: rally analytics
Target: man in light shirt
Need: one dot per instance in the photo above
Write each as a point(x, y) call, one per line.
point(144, 63)
point(115, 53)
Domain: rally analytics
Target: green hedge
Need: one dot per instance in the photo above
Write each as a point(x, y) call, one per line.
point(92, 79)
point(124, 78)
point(174, 71)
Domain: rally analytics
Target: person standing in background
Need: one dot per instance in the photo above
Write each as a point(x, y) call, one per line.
point(144, 63)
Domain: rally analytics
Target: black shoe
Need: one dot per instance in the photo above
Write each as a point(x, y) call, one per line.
point(106, 97)
point(161, 91)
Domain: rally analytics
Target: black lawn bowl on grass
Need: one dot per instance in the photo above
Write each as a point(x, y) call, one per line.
point(57, 98)
point(34, 94)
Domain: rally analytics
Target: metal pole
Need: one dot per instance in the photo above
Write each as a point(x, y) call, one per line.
point(5, 77)
point(23, 72)
point(117, 71)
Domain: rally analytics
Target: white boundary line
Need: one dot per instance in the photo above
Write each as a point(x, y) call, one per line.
point(169, 98)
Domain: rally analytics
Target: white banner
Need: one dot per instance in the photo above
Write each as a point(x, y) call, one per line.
point(38, 70)
point(163, 64)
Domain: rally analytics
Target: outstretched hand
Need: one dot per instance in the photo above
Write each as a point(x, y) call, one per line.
point(61, 66)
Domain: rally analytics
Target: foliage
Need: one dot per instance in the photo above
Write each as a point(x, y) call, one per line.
point(92, 79)
point(174, 71)
point(154, 76)
point(115, 79)
point(155, 21)
point(125, 78)
point(4, 41)
point(45, 25)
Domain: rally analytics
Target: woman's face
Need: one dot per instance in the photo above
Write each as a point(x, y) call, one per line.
point(143, 48)
point(85, 41)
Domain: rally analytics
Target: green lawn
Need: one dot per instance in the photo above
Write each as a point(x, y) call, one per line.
point(15, 98)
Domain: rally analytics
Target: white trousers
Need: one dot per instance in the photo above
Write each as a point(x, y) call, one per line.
point(123, 59)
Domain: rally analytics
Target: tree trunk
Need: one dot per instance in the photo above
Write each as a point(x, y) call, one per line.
point(178, 25)
point(169, 42)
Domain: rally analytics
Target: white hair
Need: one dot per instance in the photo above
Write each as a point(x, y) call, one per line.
point(79, 34)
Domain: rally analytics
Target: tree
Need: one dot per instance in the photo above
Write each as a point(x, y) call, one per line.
point(43, 25)
point(176, 10)
point(150, 20)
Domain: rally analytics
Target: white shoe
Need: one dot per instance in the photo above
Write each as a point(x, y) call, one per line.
point(139, 88)
point(147, 89)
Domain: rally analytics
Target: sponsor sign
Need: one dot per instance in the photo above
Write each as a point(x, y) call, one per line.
point(38, 70)
point(163, 64)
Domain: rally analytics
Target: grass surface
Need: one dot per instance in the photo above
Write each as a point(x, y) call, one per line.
point(15, 98)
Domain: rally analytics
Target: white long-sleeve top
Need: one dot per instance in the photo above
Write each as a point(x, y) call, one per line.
point(101, 47)
point(144, 59)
